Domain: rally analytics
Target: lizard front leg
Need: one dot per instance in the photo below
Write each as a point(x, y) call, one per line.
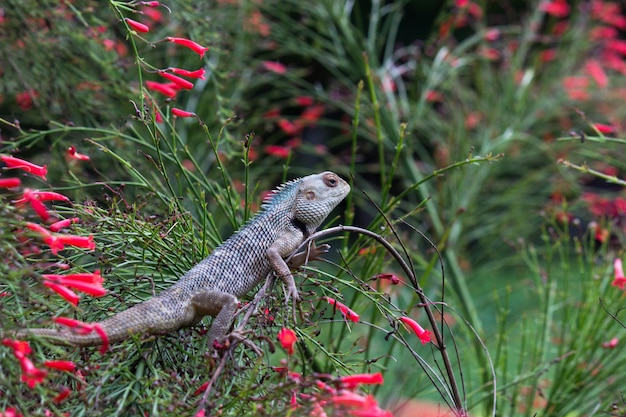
point(311, 253)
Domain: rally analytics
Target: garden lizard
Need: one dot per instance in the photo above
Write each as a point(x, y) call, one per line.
point(292, 212)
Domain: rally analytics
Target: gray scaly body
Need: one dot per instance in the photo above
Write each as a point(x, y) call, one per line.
point(212, 287)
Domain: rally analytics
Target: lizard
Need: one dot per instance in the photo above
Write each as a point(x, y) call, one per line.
point(292, 212)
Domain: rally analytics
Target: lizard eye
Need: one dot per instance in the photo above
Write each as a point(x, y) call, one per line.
point(330, 180)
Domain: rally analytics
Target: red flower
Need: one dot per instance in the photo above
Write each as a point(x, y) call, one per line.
point(611, 344)
point(71, 151)
point(180, 82)
point(67, 366)
point(10, 182)
point(13, 162)
point(67, 294)
point(276, 67)
point(89, 283)
point(311, 114)
point(619, 280)
point(288, 127)
point(61, 396)
point(556, 8)
point(165, 89)
point(347, 312)
point(25, 100)
point(182, 113)
point(199, 73)
point(35, 203)
point(352, 381)
point(85, 242)
point(287, 339)
point(139, 27)
point(62, 224)
point(424, 335)
point(304, 101)
point(85, 328)
point(278, 151)
point(31, 374)
point(596, 71)
point(604, 128)
point(394, 280)
point(197, 48)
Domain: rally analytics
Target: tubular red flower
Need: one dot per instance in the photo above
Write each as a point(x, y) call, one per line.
point(31, 374)
point(62, 224)
point(139, 27)
point(594, 68)
point(165, 89)
point(199, 73)
point(182, 113)
point(89, 283)
point(13, 162)
point(67, 366)
point(394, 280)
point(62, 395)
point(604, 128)
point(352, 381)
point(556, 8)
point(36, 204)
point(85, 328)
point(197, 48)
point(288, 127)
point(49, 196)
point(287, 339)
point(69, 295)
point(347, 312)
point(278, 151)
point(182, 83)
point(10, 182)
point(71, 151)
point(424, 335)
point(619, 280)
point(85, 242)
point(276, 67)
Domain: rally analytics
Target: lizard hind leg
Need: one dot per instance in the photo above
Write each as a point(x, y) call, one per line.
point(219, 304)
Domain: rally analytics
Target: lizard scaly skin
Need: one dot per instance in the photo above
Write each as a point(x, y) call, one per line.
point(241, 263)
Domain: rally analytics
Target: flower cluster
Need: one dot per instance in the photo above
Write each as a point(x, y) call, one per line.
point(62, 284)
point(174, 76)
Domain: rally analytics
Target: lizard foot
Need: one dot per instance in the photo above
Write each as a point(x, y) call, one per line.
point(237, 336)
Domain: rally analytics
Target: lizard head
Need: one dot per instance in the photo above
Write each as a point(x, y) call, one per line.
point(317, 196)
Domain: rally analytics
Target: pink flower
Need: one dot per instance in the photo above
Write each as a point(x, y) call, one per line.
point(199, 73)
point(276, 67)
point(139, 27)
point(619, 280)
point(287, 339)
point(424, 335)
point(182, 113)
point(180, 82)
point(197, 48)
point(71, 151)
point(13, 162)
point(347, 312)
point(85, 242)
point(10, 182)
